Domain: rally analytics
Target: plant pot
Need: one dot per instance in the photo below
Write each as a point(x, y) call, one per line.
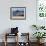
point(40, 41)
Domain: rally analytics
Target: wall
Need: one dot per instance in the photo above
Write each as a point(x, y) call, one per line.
point(24, 25)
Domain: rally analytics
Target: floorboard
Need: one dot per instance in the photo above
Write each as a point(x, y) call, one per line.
point(13, 44)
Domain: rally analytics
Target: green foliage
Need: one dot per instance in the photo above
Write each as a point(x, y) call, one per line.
point(39, 35)
point(42, 10)
point(41, 14)
point(35, 27)
point(40, 27)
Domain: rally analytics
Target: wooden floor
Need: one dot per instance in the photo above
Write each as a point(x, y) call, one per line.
point(13, 44)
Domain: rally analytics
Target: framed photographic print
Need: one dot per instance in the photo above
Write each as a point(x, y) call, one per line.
point(18, 13)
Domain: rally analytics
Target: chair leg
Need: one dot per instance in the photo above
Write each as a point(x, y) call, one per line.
point(5, 40)
point(5, 43)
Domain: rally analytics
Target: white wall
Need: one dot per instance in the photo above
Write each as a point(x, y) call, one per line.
point(24, 25)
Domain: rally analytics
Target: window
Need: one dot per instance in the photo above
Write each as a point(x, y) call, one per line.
point(41, 8)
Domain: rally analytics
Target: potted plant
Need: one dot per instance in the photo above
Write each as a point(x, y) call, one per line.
point(39, 35)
